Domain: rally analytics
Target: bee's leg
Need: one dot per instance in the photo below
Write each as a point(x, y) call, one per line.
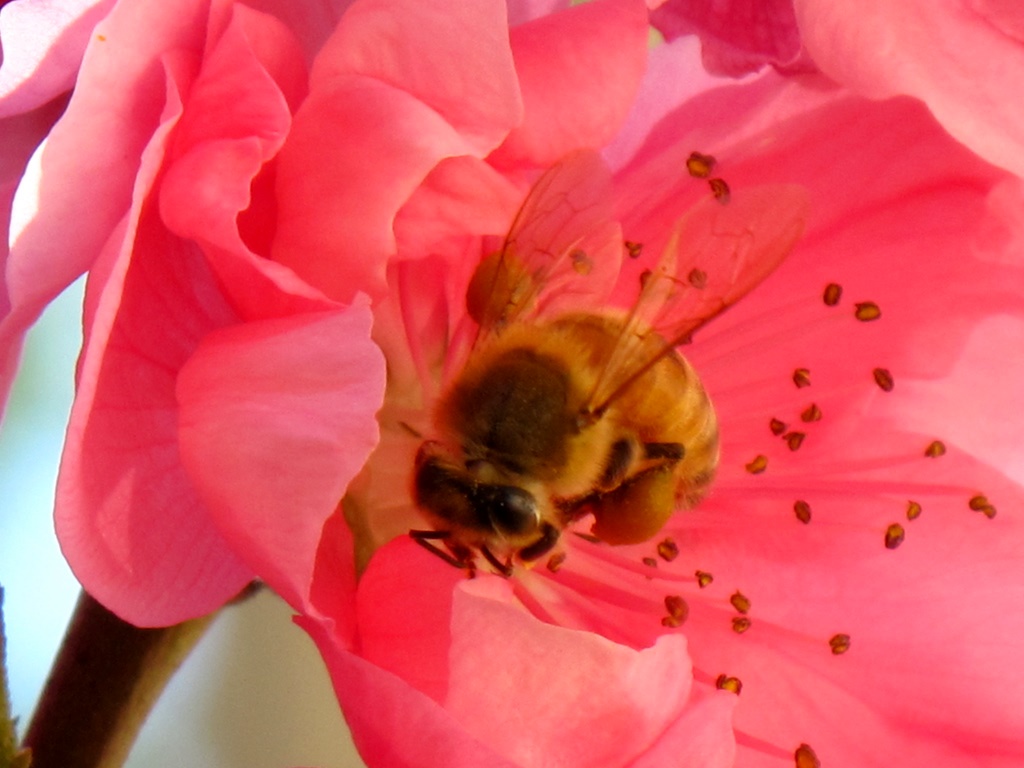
point(664, 454)
point(505, 569)
point(637, 509)
point(460, 557)
point(548, 538)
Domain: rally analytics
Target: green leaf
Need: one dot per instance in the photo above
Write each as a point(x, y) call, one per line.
point(10, 755)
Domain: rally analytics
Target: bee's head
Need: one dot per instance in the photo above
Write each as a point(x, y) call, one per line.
point(512, 511)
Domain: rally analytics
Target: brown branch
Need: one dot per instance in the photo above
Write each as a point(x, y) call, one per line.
point(107, 676)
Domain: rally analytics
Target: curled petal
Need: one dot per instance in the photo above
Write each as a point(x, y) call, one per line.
point(128, 518)
point(738, 36)
point(43, 43)
point(961, 59)
point(377, 121)
point(276, 418)
point(579, 70)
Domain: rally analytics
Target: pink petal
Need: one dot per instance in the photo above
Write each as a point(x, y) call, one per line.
point(22, 134)
point(404, 625)
point(662, 90)
point(79, 186)
point(478, 655)
point(122, 462)
point(457, 64)
point(235, 120)
point(460, 197)
point(396, 81)
point(129, 521)
point(579, 70)
point(528, 688)
point(737, 36)
point(43, 42)
point(961, 59)
point(391, 723)
point(702, 736)
point(276, 418)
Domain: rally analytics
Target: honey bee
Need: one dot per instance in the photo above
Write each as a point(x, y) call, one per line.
point(567, 408)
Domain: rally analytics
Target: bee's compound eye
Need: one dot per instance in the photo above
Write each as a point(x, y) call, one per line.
point(511, 510)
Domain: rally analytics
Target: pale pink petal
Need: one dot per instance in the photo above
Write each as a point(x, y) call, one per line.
point(43, 42)
point(22, 134)
point(393, 724)
point(961, 59)
point(79, 184)
point(661, 91)
point(379, 117)
point(494, 665)
point(311, 23)
point(550, 696)
point(129, 521)
point(459, 65)
point(579, 70)
point(234, 122)
point(151, 297)
point(276, 418)
point(737, 36)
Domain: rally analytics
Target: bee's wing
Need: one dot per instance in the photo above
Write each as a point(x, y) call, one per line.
point(715, 255)
point(563, 248)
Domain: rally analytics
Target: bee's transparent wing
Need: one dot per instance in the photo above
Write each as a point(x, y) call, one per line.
point(715, 255)
point(563, 248)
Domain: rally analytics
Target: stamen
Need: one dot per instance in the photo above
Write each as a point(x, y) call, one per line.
point(703, 578)
point(839, 644)
point(740, 624)
point(802, 377)
point(935, 449)
point(803, 511)
point(650, 562)
point(677, 609)
point(805, 757)
point(582, 264)
point(866, 311)
point(633, 249)
point(555, 561)
point(698, 278)
point(777, 427)
point(913, 510)
point(884, 379)
point(811, 413)
point(794, 440)
point(668, 550)
point(833, 292)
point(758, 465)
point(726, 683)
point(700, 165)
point(894, 536)
point(981, 504)
point(720, 190)
point(740, 602)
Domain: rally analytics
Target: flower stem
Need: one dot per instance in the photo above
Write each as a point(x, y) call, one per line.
point(107, 676)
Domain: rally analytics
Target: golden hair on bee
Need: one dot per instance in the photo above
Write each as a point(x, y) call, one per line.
point(568, 408)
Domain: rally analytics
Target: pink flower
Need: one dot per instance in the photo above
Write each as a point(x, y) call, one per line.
point(253, 198)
